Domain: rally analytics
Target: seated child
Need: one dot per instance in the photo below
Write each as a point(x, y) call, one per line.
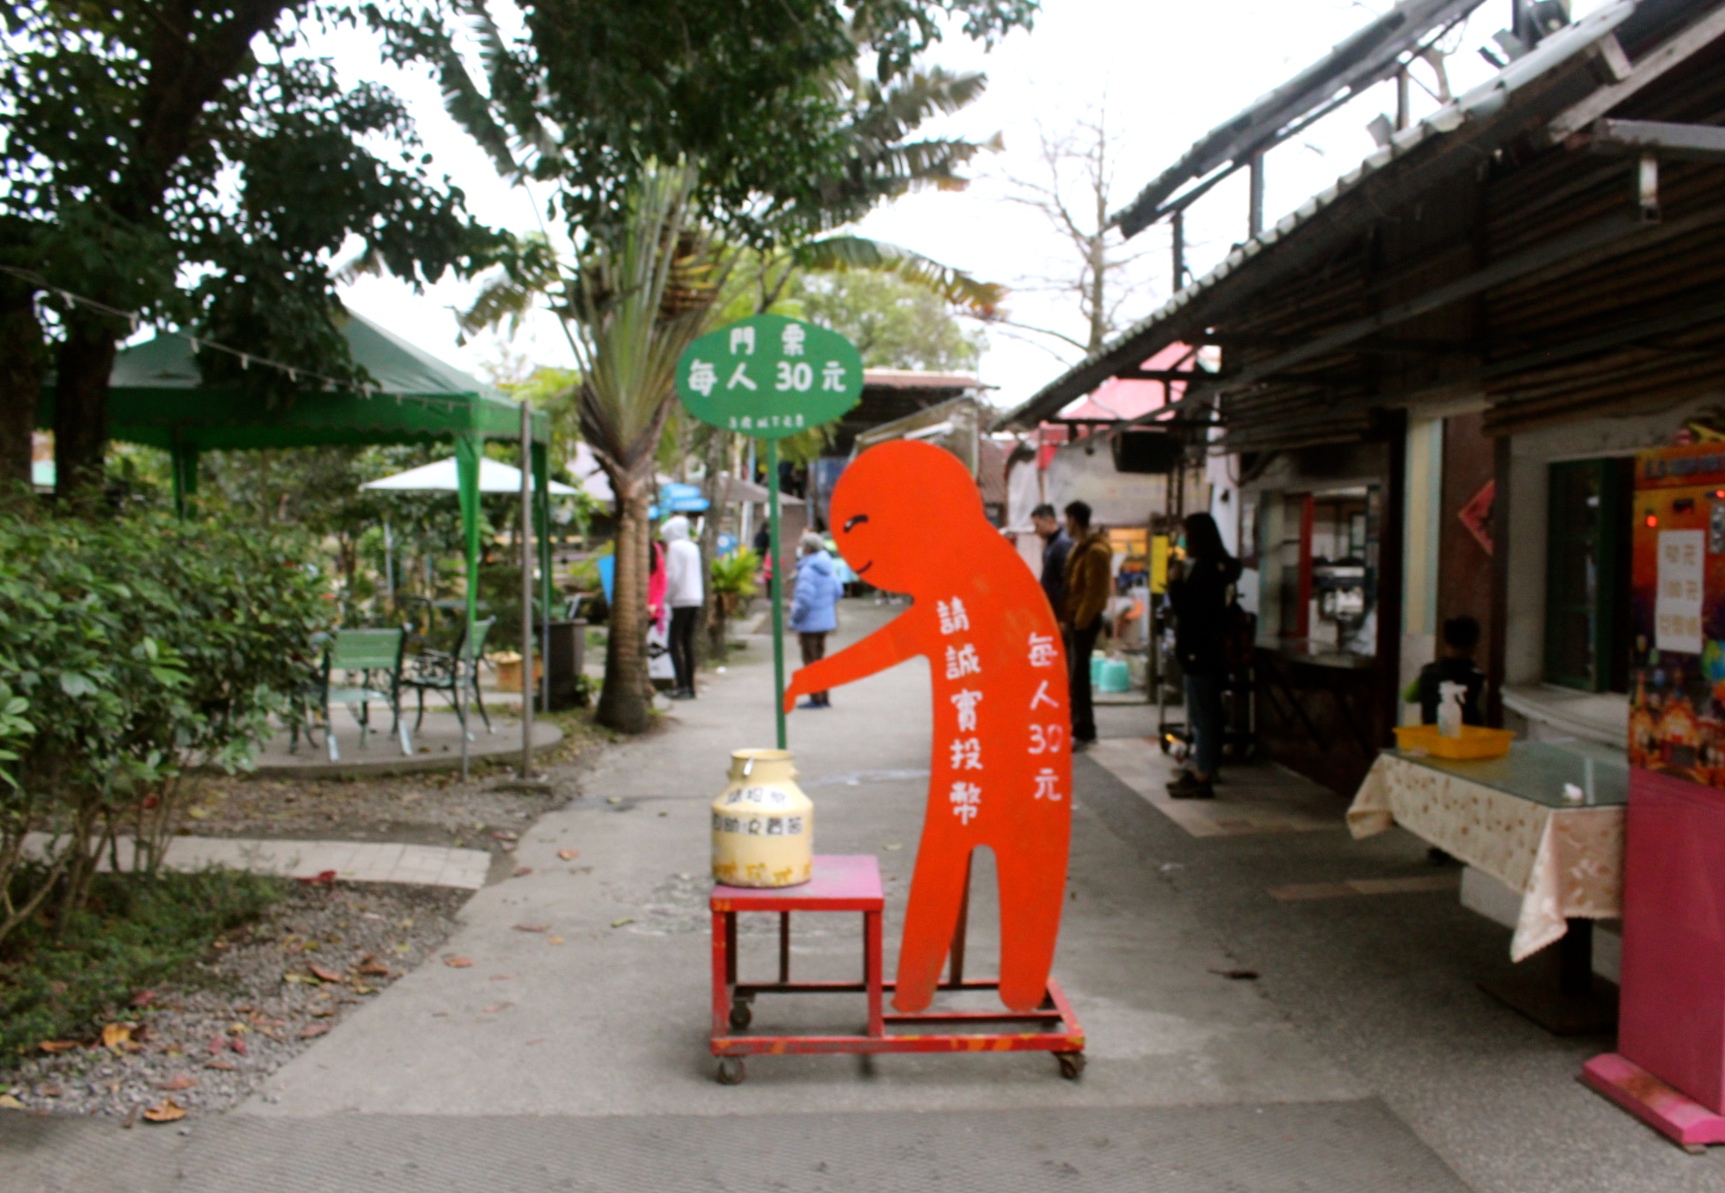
point(1454, 665)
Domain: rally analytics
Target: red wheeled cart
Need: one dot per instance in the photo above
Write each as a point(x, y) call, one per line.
point(851, 882)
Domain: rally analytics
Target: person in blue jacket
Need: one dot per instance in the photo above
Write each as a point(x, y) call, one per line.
point(814, 606)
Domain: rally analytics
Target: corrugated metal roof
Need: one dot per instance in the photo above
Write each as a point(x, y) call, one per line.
point(1363, 59)
point(1491, 102)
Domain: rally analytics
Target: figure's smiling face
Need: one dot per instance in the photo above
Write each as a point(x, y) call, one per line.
point(898, 512)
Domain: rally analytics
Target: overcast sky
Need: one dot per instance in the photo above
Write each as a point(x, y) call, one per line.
point(1163, 73)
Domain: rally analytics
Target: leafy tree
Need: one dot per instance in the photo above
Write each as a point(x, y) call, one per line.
point(767, 99)
point(186, 158)
point(778, 138)
point(894, 323)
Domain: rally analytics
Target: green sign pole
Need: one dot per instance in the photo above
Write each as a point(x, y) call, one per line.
point(775, 587)
point(767, 377)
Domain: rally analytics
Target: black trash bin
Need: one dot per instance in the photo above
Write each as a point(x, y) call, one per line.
point(568, 655)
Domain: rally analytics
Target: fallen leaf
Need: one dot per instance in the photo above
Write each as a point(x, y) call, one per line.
point(143, 998)
point(568, 855)
point(628, 919)
point(522, 871)
point(217, 1044)
point(553, 940)
point(1237, 975)
point(131, 1117)
point(314, 1030)
point(497, 1006)
point(324, 973)
point(323, 878)
point(177, 1082)
point(537, 1040)
point(304, 979)
point(114, 1035)
point(360, 988)
point(8, 1102)
point(502, 977)
point(613, 799)
point(52, 1091)
point(531, 927)
point(504, 834)
point(238, 1044)
point(893, 848)
point(169, 1111)
point(457, 962)
point(375, 969)
point(226, 1066)
point(57, 1045)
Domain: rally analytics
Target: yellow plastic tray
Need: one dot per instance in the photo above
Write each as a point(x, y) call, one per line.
point(1474, 742)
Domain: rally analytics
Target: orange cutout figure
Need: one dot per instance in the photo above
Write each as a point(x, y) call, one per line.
point(908, 518)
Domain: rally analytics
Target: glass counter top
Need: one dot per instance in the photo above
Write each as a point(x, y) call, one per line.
point(1537, 771)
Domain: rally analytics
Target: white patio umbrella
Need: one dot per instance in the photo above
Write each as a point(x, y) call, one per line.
point(440, 477)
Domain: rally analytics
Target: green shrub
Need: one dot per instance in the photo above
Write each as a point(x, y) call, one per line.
point(64, 980)
point(129, 649)
point(734, 574)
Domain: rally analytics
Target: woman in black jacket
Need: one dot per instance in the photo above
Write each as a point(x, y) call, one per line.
point(1199, 593)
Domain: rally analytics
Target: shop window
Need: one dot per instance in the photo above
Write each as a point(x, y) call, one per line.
point(1587, 617)
point(1321, 563)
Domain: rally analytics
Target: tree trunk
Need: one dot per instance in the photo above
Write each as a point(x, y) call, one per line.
point(623, 703)
point(81, 406)
point(20, 385)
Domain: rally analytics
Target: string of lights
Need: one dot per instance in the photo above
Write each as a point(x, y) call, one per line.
point(247, 359)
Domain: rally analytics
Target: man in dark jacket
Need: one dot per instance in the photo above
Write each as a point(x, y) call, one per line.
point(1089, 583)
point(1055, 547)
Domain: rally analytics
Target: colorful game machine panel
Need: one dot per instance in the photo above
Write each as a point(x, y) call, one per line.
point(1669, 1069)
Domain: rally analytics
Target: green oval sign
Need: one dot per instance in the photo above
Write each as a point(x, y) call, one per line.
point(769, 376)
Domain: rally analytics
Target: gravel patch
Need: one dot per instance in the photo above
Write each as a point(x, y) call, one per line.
point(266, 994)
point(434, 808)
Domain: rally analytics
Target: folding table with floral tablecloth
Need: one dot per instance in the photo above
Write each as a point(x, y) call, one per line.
point(1510, 818)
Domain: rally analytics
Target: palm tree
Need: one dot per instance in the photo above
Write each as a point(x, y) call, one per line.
point(640, 295)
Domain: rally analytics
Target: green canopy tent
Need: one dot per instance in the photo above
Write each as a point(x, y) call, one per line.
point(158, 397)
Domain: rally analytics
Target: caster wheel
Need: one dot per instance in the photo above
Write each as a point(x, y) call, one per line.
point(1071, 1064)
point(741, 1016)
point(731, 1070)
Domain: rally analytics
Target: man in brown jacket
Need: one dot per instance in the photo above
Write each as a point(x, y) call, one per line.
point(1089, 579)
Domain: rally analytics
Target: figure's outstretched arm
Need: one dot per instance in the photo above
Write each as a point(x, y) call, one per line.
point(887, 647)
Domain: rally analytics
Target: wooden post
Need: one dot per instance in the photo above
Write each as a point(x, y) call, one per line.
point(1495, 662)
point(1255, 206)
point(1392, 538)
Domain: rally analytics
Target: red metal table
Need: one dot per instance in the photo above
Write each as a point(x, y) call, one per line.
point(851, 882)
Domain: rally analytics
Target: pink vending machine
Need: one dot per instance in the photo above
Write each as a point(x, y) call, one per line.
point(1669, 1069)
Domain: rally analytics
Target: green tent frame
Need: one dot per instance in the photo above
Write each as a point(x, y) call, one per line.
point(158, 397)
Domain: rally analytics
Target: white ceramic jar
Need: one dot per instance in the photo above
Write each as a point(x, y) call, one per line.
point(763, 824)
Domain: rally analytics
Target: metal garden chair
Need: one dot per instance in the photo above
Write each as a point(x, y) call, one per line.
point(449, 672)
point(374, 657)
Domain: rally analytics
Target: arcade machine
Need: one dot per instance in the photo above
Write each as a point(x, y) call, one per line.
point(1669, 1069)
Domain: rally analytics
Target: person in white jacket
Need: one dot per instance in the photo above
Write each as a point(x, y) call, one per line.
point(685, 591)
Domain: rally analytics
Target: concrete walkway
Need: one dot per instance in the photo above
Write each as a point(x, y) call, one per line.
point(584, 1065)
point(350, 861)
